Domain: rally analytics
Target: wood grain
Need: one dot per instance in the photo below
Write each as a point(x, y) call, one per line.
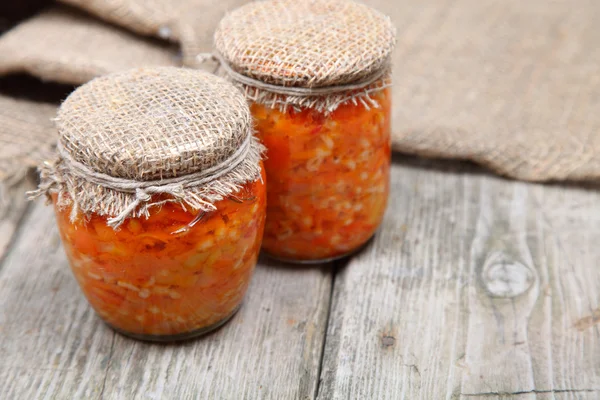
point(476, 287)
point(53, 345)
point(12, 207)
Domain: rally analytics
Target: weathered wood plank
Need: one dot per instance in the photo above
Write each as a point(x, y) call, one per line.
point(476, 287)
point(53, 345)
point(12, 207)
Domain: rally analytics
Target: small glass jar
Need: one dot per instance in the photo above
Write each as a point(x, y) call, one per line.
point(328, 178)
point(317, 76)
point(174, 275)
point(160, 198)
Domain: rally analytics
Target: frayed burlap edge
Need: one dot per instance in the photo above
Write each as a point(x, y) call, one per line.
point(85, 198)
point(325, 104)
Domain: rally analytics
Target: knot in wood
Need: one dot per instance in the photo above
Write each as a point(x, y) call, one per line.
point(387, 341)
point(503, 277)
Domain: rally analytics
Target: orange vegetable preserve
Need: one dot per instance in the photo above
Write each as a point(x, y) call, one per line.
point(173, 275)
point(328, 177)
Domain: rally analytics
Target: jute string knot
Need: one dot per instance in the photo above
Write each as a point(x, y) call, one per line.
point(144, 190)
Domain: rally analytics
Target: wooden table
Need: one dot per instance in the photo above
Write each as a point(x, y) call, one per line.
point(475, 288)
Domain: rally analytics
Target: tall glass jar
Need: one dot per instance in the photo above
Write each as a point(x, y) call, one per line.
point(160, 198)
point(317, 75)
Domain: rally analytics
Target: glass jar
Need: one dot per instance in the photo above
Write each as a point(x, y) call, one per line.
point(317, 75)
point(328, 178)
point(160, 196)
point(176, 274)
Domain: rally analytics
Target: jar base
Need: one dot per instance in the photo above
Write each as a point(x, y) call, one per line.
point(320, 260)
point(179, 336)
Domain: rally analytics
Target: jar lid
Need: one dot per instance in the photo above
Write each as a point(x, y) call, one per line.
point(152, 123)
point(184, 135)
point(306, 43)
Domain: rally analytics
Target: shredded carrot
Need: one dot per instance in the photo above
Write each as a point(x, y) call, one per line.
point(159, 276)
point(328, 178)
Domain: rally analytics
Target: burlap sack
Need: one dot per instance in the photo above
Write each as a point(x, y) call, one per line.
point(513, 85)
point(190, 22)
point(27, 135)
point(64, 45)
point(140, 138)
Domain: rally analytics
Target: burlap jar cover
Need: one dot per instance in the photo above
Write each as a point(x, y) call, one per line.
point(134, 140)
point(317, 54)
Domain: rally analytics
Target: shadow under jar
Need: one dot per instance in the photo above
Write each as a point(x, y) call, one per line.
point(160, 198)
point(322, 109)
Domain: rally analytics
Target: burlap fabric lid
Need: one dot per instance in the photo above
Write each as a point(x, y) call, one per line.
point(136, 139)
point(305, 52)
